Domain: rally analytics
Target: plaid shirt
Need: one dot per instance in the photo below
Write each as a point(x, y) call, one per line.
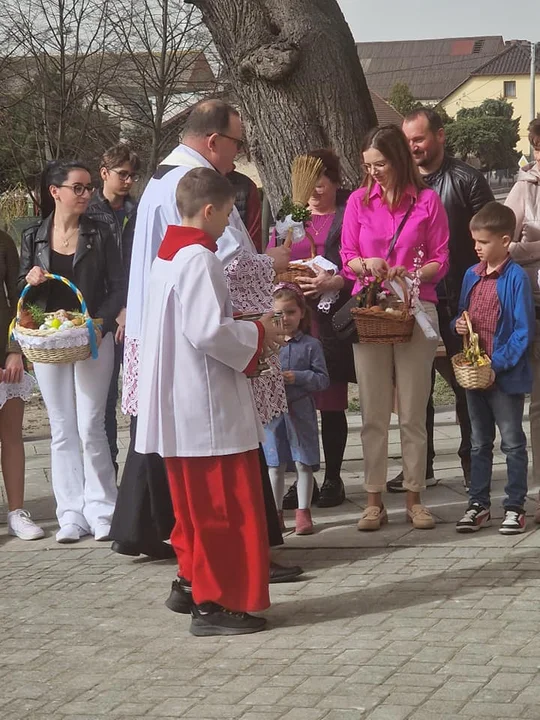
point(484, 307)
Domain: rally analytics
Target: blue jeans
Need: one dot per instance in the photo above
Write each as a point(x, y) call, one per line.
point(487, 409)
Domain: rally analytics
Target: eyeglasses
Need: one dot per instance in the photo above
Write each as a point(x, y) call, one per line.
point(79, 189)
point(239, 143)
point(125, 175)
point(374, 167)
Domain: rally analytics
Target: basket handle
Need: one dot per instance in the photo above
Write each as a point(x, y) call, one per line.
point(466, 338)
point(82, 302)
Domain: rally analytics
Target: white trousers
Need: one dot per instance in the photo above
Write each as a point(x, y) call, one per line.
point(75, 396)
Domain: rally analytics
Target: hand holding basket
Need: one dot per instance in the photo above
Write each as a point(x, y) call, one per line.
point(385, 327)
point(65, 346)
point(472, 367)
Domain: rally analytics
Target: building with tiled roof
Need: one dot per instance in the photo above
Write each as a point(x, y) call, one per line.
point(431, 68)
point(506, 75)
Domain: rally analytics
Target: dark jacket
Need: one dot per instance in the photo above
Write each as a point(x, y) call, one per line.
point(463, 191)
point(338, 353)
point(96, 266)
point(99, 208)
point(515, 327)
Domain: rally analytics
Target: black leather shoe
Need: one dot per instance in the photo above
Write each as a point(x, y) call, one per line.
point(290, 499)
point(125, 549)
point(180, 599)
point(332, 493)
point(396, 484)
point(282, 574)
point(160, 551)
point(211, 619)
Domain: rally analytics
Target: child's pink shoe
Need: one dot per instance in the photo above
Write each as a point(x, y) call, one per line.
point(304, 524)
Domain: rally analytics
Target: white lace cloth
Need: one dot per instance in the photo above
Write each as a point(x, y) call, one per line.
point(250, 279)
point(327, 299)
point(21, 390)
point(130, 376)
point(70, 337)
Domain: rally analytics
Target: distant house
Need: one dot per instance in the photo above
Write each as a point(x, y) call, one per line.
point(431, 68)
point(506, 75)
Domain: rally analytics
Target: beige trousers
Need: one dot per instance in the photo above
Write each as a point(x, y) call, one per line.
point(409, 365)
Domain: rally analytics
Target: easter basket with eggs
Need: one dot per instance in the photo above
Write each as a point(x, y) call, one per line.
point(472, 367)
point(381, 317)
point(56, 337)
point(294, 214)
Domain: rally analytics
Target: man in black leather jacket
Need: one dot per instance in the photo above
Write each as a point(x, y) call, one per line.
point(113, 205)
point(463, 191)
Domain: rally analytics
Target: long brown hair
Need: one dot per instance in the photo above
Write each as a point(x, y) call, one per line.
point(291, 291)
point(390, 141)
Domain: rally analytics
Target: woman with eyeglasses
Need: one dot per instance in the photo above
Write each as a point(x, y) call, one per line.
point(387, 222)
point(68, 243)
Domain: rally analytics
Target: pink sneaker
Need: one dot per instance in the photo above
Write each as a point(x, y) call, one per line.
point(304, 524)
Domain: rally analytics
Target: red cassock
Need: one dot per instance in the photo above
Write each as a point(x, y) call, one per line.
point(220, 535)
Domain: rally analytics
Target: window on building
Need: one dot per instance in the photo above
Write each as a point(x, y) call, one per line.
point(509, 88)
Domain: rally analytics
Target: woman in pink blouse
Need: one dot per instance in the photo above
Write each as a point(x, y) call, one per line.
point(391, 188)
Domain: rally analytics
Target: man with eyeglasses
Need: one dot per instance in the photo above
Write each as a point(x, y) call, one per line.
point(113, 205)
point(212, 138)
point(463, 191)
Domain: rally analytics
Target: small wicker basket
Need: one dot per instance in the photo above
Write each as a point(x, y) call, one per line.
point(54, 348)
point(295, 269)
point(471, 377)
point(376, 326)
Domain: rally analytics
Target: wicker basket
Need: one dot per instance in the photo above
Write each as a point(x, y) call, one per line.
point(471, 377)
point(28, 339)
point(295, 270)
point(377, 326)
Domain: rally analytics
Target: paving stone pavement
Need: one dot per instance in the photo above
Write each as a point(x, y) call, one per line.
point(394, 625)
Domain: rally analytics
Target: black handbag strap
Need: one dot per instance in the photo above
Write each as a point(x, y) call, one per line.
point(400, 228)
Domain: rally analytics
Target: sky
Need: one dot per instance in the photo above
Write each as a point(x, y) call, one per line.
point(371, 20)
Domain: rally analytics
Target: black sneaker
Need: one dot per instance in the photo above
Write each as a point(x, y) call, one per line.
point(290, 499)
point(475, 518)
point(332, 493)
point(180, 599)
point(396, 484)
point(210, 619)
point(514, 522)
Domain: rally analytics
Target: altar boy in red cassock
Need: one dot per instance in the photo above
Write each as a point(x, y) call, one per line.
point(196, 410)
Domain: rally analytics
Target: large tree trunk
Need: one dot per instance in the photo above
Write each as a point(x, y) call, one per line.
point(294, 68)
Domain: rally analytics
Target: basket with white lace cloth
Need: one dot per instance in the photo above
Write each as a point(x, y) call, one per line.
point(58, 345)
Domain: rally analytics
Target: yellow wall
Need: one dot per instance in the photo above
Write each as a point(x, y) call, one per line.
point(477, 89)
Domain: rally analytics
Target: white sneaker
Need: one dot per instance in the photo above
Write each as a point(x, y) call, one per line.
point(68, 534)
point(22, 526)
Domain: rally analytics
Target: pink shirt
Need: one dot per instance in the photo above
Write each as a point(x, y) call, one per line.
point(368, 231)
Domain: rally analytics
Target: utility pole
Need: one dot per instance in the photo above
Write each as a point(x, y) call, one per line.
point(533, 87)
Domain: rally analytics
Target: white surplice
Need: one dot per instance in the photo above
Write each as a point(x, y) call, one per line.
point(249, 276)
point(194, 400)
point(156, 211)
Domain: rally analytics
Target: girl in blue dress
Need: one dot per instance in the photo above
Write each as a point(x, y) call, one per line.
point(292, 440)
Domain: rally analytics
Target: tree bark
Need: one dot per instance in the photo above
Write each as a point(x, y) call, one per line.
point(294, 68)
